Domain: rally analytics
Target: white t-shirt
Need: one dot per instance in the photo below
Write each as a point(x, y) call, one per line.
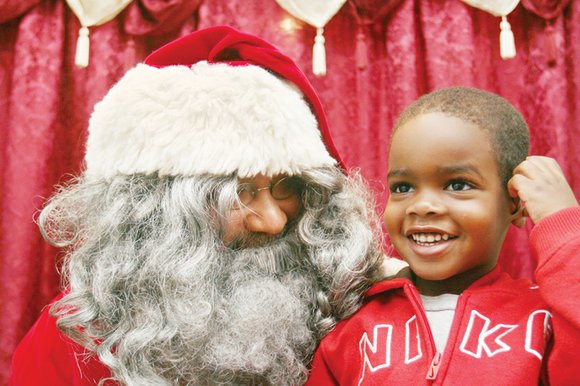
point(440, 310)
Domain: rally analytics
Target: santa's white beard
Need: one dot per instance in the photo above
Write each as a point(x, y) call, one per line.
point(238, 317)
point(261, 330)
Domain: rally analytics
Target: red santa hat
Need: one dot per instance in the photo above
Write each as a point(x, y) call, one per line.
point(215, 101)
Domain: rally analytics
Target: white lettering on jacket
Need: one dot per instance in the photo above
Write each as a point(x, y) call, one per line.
point(412, 341)
point(480, 338)
point(376, 355)
point(536, 342)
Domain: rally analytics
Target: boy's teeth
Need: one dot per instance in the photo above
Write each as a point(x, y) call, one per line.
point(429, 237)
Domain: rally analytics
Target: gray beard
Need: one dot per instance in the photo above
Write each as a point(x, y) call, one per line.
point(263, 334)
point(259, 330)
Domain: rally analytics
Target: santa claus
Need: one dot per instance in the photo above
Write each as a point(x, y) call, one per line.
point(214, 236)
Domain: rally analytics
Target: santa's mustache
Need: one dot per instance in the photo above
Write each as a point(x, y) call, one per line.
point(271, 254)
point(253, 240)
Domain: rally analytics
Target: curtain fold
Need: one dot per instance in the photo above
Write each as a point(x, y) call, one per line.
point(416, 47)
point(154, 17)
point(547, 9)
point(11, 9)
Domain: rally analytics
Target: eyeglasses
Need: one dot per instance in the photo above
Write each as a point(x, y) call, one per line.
point(282, 189)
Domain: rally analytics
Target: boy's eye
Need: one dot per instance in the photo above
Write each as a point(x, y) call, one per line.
point(459, 185)
point(400, 188)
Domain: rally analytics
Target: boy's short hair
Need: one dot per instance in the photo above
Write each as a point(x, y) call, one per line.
point(507, 130)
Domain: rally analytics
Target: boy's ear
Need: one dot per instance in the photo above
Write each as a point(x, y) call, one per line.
point(517, 215)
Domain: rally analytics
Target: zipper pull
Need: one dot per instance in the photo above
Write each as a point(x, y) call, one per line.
point(434, 367)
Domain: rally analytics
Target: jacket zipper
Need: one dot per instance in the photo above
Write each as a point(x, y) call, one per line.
point(434, 367)
point(417, 304)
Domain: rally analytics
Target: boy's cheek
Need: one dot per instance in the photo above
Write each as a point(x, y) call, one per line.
point(393, 220)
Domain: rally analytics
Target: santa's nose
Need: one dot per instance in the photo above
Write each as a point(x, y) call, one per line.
point(265, 215)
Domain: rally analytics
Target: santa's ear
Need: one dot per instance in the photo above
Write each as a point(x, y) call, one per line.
point(518, 212)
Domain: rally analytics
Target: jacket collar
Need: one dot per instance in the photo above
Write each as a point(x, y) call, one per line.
point(405, 277)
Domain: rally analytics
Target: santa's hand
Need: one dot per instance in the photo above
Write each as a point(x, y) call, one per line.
point(541, 187)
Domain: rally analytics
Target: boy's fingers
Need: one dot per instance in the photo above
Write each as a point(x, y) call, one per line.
point(541, 185)
point(540, 166)
point(516, 186)
point(531, 166)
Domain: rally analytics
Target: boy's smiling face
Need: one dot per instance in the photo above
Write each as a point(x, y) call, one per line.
point(447, 212)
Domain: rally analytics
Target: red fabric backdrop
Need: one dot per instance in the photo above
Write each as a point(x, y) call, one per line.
point(405, 49)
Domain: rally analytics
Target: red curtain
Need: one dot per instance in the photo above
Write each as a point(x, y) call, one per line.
point(414, 47)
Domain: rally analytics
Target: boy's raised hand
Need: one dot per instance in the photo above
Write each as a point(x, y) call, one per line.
point(542, 187)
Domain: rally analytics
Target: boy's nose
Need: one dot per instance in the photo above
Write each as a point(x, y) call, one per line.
point(426, 204)
point(265, 215)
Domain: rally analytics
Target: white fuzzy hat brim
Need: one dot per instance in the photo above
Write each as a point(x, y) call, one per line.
point(208, 118)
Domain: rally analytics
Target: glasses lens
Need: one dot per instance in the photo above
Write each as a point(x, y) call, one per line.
point(287, 187)
point(246, 193)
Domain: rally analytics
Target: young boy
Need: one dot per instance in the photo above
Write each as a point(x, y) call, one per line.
point(458, 176)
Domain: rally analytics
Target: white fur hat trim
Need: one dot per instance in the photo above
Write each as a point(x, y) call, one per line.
point(208, 118)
